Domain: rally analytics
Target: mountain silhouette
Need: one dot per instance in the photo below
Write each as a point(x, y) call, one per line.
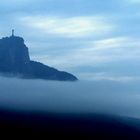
point(15, 61)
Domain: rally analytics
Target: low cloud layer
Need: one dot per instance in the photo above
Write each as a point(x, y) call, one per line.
point(118, 98)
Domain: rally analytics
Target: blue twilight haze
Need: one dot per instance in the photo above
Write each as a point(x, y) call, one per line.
point(93, 39)
point(105, 97)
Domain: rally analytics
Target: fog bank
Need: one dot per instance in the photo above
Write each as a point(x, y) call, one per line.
point(121, 98)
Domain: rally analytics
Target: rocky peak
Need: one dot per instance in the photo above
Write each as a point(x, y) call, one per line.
point(14, 53)
point(14, 59)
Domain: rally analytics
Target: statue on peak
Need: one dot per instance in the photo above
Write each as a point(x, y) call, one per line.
point(13, 31)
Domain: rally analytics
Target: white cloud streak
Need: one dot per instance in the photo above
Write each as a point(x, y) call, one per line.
point(99, 76)
point(95, 53)
point(68, 27)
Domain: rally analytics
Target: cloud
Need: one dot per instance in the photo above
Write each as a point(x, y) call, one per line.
point(98, 96)
point(68, 26)
point(99, 76)
point(95, 52)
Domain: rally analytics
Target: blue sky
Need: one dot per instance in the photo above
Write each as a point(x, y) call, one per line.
point(93, 39)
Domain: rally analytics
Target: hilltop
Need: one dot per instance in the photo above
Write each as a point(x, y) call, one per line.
point(15, 61)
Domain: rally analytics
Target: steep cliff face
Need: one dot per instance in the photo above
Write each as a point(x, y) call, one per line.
point(15, 59)
point(14, 56)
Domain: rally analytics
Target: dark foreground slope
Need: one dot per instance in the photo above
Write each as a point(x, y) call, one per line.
point(15, 61)
point(21, 125)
